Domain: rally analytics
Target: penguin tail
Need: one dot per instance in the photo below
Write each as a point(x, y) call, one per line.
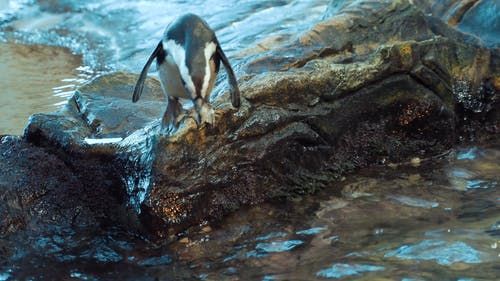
point(139, 86)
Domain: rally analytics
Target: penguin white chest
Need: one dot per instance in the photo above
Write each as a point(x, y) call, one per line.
point(171, 81)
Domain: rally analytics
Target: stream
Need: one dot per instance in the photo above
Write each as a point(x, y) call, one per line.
point(79, 40)
point(435, 219)
point(431, 219)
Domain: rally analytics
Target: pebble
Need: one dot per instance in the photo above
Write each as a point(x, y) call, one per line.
point(415, 161)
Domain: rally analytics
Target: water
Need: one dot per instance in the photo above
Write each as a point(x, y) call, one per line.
point(394, 222)
point(111, 35)
point(33, 79)
point(439, 220)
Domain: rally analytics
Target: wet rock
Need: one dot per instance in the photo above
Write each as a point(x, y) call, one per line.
point(479, 18)
point(98, 110)
point(375, 81)
point(40, 193)
point(38, 188)
point(53, 178)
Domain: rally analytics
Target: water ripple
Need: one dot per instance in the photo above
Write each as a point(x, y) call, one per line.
point(340, 270)
point(81, 276)
point(4, 276)
point(444, 253)
point(414, 202)
point(469, 154)
point(269, 278)
point(276, 247)
point(120, 35)
point(310, 231)
point(481, 184)
point(154, 261)
point(271, 235)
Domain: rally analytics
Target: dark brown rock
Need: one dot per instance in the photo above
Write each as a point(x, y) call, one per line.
point(478, 18)
point(375, 82)
point(40, 189)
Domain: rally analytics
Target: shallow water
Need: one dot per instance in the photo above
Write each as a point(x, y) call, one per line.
point(436, 221)
point(33, 78)
point(439, 220)
point(113, 35)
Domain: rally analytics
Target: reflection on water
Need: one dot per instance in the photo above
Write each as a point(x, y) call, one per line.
point(437, 221)
point(395, 222)
point(340, 270)
point(31, 81)
point(444, 253)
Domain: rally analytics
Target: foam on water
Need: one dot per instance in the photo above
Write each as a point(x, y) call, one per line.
point(278, 246)
point(138, 152)
point(102, 141)
point(340, 270)
point(444, 253)
point(119, 35)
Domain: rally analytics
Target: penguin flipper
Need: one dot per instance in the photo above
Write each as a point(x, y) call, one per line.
point(233, 84)
point(139, 86)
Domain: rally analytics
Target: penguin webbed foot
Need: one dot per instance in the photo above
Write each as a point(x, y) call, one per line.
point(204, 114)
point(173, 116)
point(168, 130)
point(171, 123)
point(207, 114)
point(168, 126)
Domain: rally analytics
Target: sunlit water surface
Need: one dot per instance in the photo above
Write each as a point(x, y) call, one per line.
point(439, 220)
point(115, 35)
point(436, 221)
point(34, 78)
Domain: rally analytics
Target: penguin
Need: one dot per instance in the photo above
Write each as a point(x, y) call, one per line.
point(188, 59)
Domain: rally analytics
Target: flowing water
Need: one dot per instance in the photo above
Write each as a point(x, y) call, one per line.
point(434, 220)
point(33, 78)
point(109, 35)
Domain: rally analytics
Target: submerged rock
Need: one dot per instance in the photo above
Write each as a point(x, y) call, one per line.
point(375, 81)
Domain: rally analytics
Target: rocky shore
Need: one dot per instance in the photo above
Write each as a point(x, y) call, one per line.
point(374, 82)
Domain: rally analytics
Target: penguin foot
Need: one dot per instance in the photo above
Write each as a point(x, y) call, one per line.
point(206, 114)
point(180, 118)
point(169, 129)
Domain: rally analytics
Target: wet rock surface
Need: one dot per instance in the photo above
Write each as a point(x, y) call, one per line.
point(375, 82)
point(479, 18)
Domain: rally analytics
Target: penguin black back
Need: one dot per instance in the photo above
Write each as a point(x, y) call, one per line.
point(193, 34)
